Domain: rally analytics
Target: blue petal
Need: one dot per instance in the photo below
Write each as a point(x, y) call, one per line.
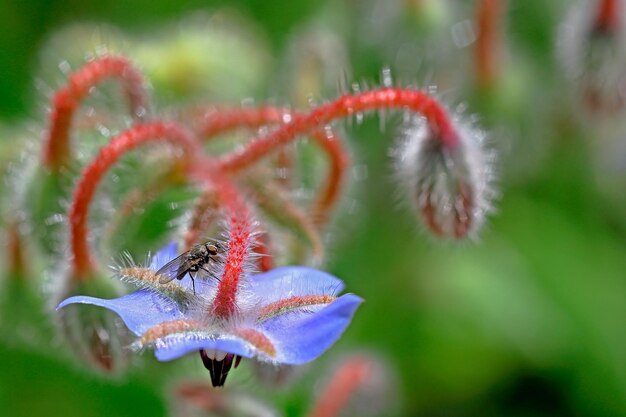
point(164, 255)
point(290, 281)
point(302, 337)
point(175, 346)
point(139, 310)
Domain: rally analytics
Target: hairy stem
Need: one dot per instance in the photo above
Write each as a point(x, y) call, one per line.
point(82, 261)
point(240, 235)
point(56, 148)
point(347, 105)
point(216, 121)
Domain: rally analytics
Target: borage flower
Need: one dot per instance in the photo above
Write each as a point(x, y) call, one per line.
point(287, 316)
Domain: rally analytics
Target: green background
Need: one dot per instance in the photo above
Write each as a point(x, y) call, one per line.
point(526, 321)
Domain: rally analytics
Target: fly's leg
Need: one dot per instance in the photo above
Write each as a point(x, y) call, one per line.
point(193, 283)
point(211, 274)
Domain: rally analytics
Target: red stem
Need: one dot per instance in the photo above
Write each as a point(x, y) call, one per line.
point(82, 261)
point(217, 121)
point(342, 387)
point(488, 42)
point(240, 239)
point(608, 17)
point(347, 105)
point(332, 187)
point(205, 213)
point(56, 149)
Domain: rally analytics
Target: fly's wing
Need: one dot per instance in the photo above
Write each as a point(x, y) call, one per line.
point(176, 268)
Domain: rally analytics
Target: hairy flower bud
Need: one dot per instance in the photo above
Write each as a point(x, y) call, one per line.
point(449, 184)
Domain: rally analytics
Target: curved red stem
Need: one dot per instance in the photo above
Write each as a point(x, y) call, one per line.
point(347, 105)
point(56, 148)
point(218, 120)
point(82, 262)
point(339, 162)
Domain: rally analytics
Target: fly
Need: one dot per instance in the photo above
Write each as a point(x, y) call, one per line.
point(199, 257)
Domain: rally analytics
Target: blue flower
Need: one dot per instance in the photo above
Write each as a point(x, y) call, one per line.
point(289, 315)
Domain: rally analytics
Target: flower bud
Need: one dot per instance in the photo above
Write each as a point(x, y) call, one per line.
point(449, 184)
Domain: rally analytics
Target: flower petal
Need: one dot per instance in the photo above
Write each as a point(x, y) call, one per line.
point(175, 346)
point(139, 310)
point(290, 281)
point(302, 336)
point(164, 255)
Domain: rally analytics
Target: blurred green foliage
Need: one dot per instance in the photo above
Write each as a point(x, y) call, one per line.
point(527, 321)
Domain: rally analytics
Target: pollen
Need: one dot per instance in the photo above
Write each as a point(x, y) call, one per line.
point(257, 339)
point(168, 328)
point(145, 277)
point(292, 303)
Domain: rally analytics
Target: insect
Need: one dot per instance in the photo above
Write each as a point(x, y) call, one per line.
point(199, 257)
